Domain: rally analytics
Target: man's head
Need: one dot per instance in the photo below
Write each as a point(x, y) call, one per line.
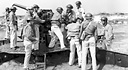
point(13, 9)
point(69, 8)
point(7, 9)
point(78, 4)
point(35, 7)
point(80, 19)
point(59, 10)
point(30, 9)
point(89, 16)
point(40, 13)
point(29, 20)
point(104, 20)
point(74, 20)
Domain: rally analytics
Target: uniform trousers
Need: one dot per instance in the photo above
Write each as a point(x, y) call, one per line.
point(58, 33)
point(28, 51)
point(7, 33)
point(74, 43)
point(13, 36)
point(89, 44)
point(53, 41)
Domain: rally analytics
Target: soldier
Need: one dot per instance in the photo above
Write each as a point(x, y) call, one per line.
point(36, 17)
point(88, 35)
point(107, 33)
point(29, 38)
point(69, 14)
point(80, 11)
point(29, 13)
point(13, 28)
point(56, 20)
point(6, 17)
point(73, 36)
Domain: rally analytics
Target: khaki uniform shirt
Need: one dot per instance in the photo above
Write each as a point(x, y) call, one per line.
point(28, 33)
point(13, 21)
point(56, 19)
point(73, 29)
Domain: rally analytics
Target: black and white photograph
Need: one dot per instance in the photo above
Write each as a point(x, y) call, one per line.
point(63, 35)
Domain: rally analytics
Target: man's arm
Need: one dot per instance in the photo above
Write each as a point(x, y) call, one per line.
point(81, 30)
point(38, 19)
point(96, 33)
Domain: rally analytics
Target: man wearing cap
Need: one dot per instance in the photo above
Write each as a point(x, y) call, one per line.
point(69, 14)
point(36, 17)
point(88, 35)
point(80, 11)
point(56, 31)
point(73, 30)
point(13, 28)
point(29, 38)
point(107, 33)
point(29, 13)
point(6, 17)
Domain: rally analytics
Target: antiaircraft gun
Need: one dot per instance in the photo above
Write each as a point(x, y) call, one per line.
point(44, 14)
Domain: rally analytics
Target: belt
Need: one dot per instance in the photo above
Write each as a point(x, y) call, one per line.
point(74, 37)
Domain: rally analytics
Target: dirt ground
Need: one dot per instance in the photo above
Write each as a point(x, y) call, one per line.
point(59, 61)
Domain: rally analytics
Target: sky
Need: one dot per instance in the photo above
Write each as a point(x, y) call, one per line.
point(92, 6)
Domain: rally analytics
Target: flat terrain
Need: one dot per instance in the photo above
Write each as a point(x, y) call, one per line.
point(59, 61)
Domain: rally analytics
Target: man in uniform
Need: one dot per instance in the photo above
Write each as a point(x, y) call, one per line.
point(6, 17)
point(29, 13)
point(29, 38)
point(37, 18)
point(13, 28)
point(80, 11)
point(88, 35)
point(107, 33)
point(69, 15)
point(55, 29)
point(73, 36)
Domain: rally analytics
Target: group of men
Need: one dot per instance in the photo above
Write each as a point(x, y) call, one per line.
point(75, 26)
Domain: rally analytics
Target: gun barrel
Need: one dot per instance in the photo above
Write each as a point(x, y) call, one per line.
point(20, 6)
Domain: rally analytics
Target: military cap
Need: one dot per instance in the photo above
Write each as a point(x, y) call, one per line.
point(35, 6)
point(60, 8)
point(13, 8)
point(104, 18)
point(78, 3)
point(69, 6)
point(7, 9)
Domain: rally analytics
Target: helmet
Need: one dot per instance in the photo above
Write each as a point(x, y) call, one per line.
point(13, 8)
point(69, 6)
point(78, 3)
point(59, 8)
point(104, 18)
point(35, 6)
point(89, 15)
point(7, 9)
